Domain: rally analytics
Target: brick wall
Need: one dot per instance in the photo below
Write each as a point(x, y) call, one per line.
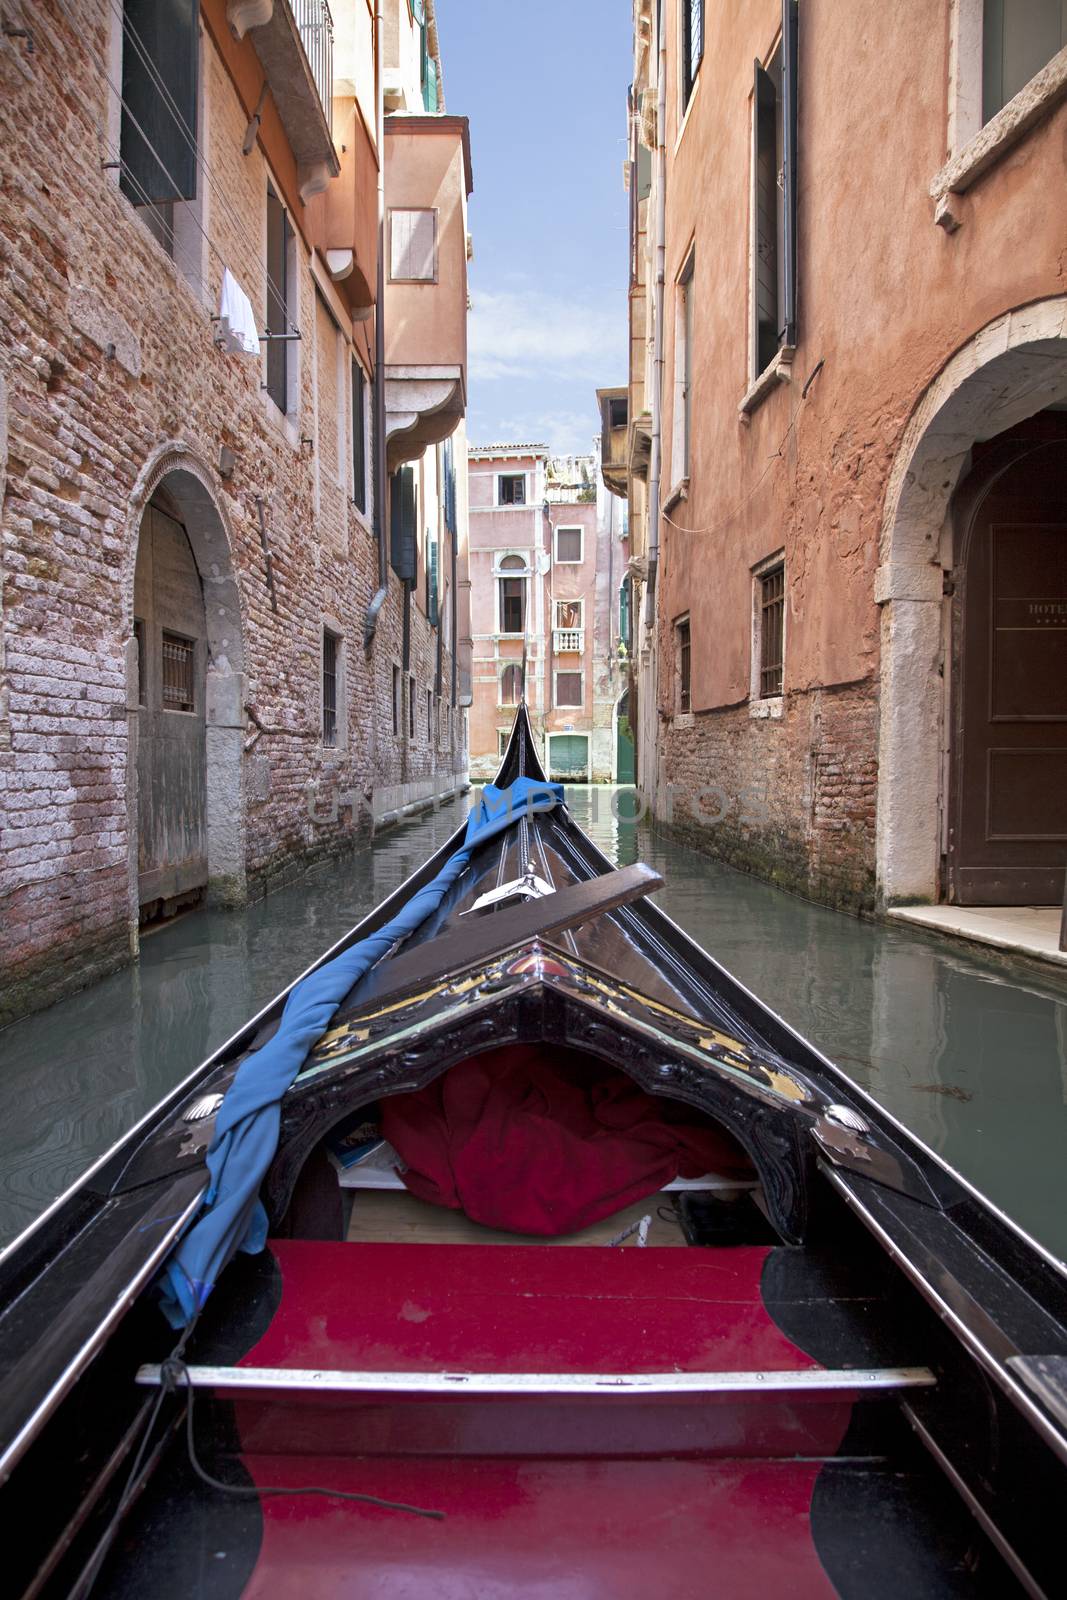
point(791, 799)
point(107, 363)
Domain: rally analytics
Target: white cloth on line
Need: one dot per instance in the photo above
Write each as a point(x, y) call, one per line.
point(237, 323)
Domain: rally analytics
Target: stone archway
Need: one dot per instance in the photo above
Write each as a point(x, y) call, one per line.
point(1012, 368)
point(187, 485)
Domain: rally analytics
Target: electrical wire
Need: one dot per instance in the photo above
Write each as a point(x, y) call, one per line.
point(272, 287)
point(705, 533)
point(174, 1372)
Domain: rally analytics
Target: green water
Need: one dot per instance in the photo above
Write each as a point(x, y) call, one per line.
point(969, 1052)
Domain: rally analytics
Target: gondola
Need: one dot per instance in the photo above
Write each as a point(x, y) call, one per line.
point(583, 1275)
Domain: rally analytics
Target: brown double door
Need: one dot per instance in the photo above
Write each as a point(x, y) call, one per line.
point(1008, 810)
point(171, 740)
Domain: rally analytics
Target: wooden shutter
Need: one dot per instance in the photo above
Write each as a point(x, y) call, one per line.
point(402, 524)
point(160, 59)
point(359, 451)
point(790, 65)
point(413, 246)
point(765, 220)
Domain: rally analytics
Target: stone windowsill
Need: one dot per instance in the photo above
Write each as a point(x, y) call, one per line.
point(1029, 106)
point(679, 493)
point(683, 719)
point(775, 372)
point(770, 707)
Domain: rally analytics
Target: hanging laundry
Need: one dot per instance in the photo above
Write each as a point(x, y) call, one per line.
point(237, 323)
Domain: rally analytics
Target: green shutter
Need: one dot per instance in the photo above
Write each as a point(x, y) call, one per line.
point(402, 524)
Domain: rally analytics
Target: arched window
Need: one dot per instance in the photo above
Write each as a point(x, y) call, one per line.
point(512, 596)
point(511, 685)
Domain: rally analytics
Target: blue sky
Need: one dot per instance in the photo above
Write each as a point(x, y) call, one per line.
point(544, 85)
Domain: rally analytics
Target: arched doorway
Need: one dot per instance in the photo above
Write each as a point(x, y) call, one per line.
point(1007, 834)
point(186, 694)
point(170, 627)
point(1008, 371)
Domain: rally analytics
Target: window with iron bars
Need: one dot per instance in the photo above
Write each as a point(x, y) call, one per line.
point(330, 662)
point(178, 661)
point(771, 631)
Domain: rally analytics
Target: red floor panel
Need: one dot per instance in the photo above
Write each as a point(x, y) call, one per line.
point(605, 1530)
point(494, 1308)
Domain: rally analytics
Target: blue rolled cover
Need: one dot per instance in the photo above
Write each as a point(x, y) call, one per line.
point(247, 1126)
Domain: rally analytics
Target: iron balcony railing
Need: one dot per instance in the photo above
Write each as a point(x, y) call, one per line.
point(315, 27)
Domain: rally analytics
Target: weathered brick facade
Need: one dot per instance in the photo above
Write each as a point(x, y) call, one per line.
point(113, 388)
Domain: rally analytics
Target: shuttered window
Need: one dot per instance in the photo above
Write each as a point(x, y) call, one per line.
point(511, 685)
point(396, 699)
point(569, 689)
point(359, 437)
point(569, 545)
point(432, 608)
point(402, 523)
point(1019, 37)
point(683, 653)
point(413, 246)
point(774, 199)
point(692, 45)
point(160, 61)
point(279, 235)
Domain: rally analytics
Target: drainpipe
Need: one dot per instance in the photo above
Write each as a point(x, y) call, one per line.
point(656, 453)
point(380, 476)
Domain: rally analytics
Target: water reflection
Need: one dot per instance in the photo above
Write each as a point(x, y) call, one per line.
point(970, 1053)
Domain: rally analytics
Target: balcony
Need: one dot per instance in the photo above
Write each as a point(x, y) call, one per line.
point(427, 182)
point(294, 42)
point(568, 641)
point(614, 414)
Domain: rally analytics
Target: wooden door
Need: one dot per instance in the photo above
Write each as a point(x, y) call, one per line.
point(171, 745)
point(1008, 837)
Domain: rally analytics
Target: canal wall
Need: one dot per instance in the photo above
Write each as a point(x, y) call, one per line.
point(792, 798)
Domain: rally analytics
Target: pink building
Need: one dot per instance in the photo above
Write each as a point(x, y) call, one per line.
point(547, 558)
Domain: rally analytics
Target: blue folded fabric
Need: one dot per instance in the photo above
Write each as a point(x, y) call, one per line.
point(249, 1119)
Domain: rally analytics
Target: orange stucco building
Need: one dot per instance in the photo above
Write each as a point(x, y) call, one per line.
point(847, 412)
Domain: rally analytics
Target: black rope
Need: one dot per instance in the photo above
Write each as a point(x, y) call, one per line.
point(173, 1372)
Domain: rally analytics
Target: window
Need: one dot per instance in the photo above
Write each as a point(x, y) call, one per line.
point(569, 613)
point(511, 489)
point(429, 716)
point(411, 707)
point(511, 685)
point(1018, 38)
point(448, 479)
point(770, 627)
point(279, 290)
point(178, 659)
point(683, 371)
point(774, 245)
point(403, 510)
point(569, 689)
point(617, 411)
point(359, 437)
point(396, 700)
point(692, 45)
point(512, 595)
point(682, 666)
point(158, 132)
point(413, 246)
point(569, 545)
point(331, 654)
point(432, 607)
point(502, 737)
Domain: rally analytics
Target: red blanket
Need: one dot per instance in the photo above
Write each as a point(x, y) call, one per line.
point(543, 1141)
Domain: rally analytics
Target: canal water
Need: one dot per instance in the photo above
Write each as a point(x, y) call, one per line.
point(970, 1052)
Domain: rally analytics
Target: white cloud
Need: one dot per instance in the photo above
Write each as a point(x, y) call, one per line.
point(517, 334)
point(566, 432)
